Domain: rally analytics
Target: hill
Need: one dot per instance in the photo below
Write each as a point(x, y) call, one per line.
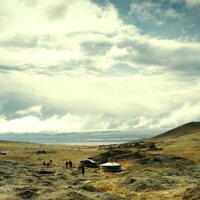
point(183, 130)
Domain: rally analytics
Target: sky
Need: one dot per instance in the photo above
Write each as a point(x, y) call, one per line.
point(98, 65)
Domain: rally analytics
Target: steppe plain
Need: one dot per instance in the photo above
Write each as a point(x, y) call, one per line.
point(165, 167)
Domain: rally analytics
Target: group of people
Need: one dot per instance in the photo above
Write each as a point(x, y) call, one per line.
point(68, 164)
point(48, 163)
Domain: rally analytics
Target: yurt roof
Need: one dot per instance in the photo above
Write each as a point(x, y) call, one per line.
point(110, 164)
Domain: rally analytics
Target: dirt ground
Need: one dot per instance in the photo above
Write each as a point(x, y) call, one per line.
point(151, 170)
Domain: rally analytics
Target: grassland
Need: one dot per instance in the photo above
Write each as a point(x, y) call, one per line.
point(161, 168)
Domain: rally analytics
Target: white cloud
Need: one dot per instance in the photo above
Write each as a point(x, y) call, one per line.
point(144, 122)
point(32, 110)
point(152, 11)
point(191, 3)
point(46, 18)
point(91, 104)
point(62, 43)
point(186, 113)
point(61, 55)
point(42, 35)
point(89, 123)
point(60, 124)
point(32, 124)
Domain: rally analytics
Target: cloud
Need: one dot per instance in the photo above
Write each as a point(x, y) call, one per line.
point(21, 41)
point(58, 124)
point(58, 10)
point(156, 11)
point(32, 110)
point(188, 112)
point(79, 66)
point(90, 123)
point(192, 3)
point(89, 46)
point(166, 55)
point(140, 52)
point(96, 48)
point(124, 103)
point(58, 16)
point(58, 38)
point(166, 19)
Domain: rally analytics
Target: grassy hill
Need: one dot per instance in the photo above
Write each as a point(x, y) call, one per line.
point(183, 130)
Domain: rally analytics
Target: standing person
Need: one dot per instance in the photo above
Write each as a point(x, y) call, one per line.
point(82, 169)
point(70, 164)
point(66, 164)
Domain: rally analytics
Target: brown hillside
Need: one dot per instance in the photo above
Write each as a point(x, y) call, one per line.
point(186, 129)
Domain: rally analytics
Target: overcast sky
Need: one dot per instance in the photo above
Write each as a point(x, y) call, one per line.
point(93, 65)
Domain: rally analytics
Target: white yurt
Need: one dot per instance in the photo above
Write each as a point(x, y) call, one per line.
point(111, 167)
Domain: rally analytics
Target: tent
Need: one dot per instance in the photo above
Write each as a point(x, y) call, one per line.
point(110, 167)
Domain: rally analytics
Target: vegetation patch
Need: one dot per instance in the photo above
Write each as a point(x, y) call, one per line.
point(27, 193)
point(192, 193)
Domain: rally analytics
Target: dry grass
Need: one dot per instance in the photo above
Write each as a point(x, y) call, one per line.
point(187, 146)
point(111, 185)
point(27, 152)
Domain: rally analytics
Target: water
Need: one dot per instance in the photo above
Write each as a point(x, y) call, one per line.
point(92, 137)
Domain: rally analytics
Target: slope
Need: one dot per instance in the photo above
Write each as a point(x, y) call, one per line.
point(183, 130)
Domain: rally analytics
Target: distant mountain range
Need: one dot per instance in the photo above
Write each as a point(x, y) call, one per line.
point(100, 136)
point(87, 137)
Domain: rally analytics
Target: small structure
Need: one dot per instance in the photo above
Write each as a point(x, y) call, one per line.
point(111, 167)
point(3, 153)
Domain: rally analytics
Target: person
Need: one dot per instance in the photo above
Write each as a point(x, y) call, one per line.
point(44, 163)
point(70, 164)
point(66, 164)
point(82, 169)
